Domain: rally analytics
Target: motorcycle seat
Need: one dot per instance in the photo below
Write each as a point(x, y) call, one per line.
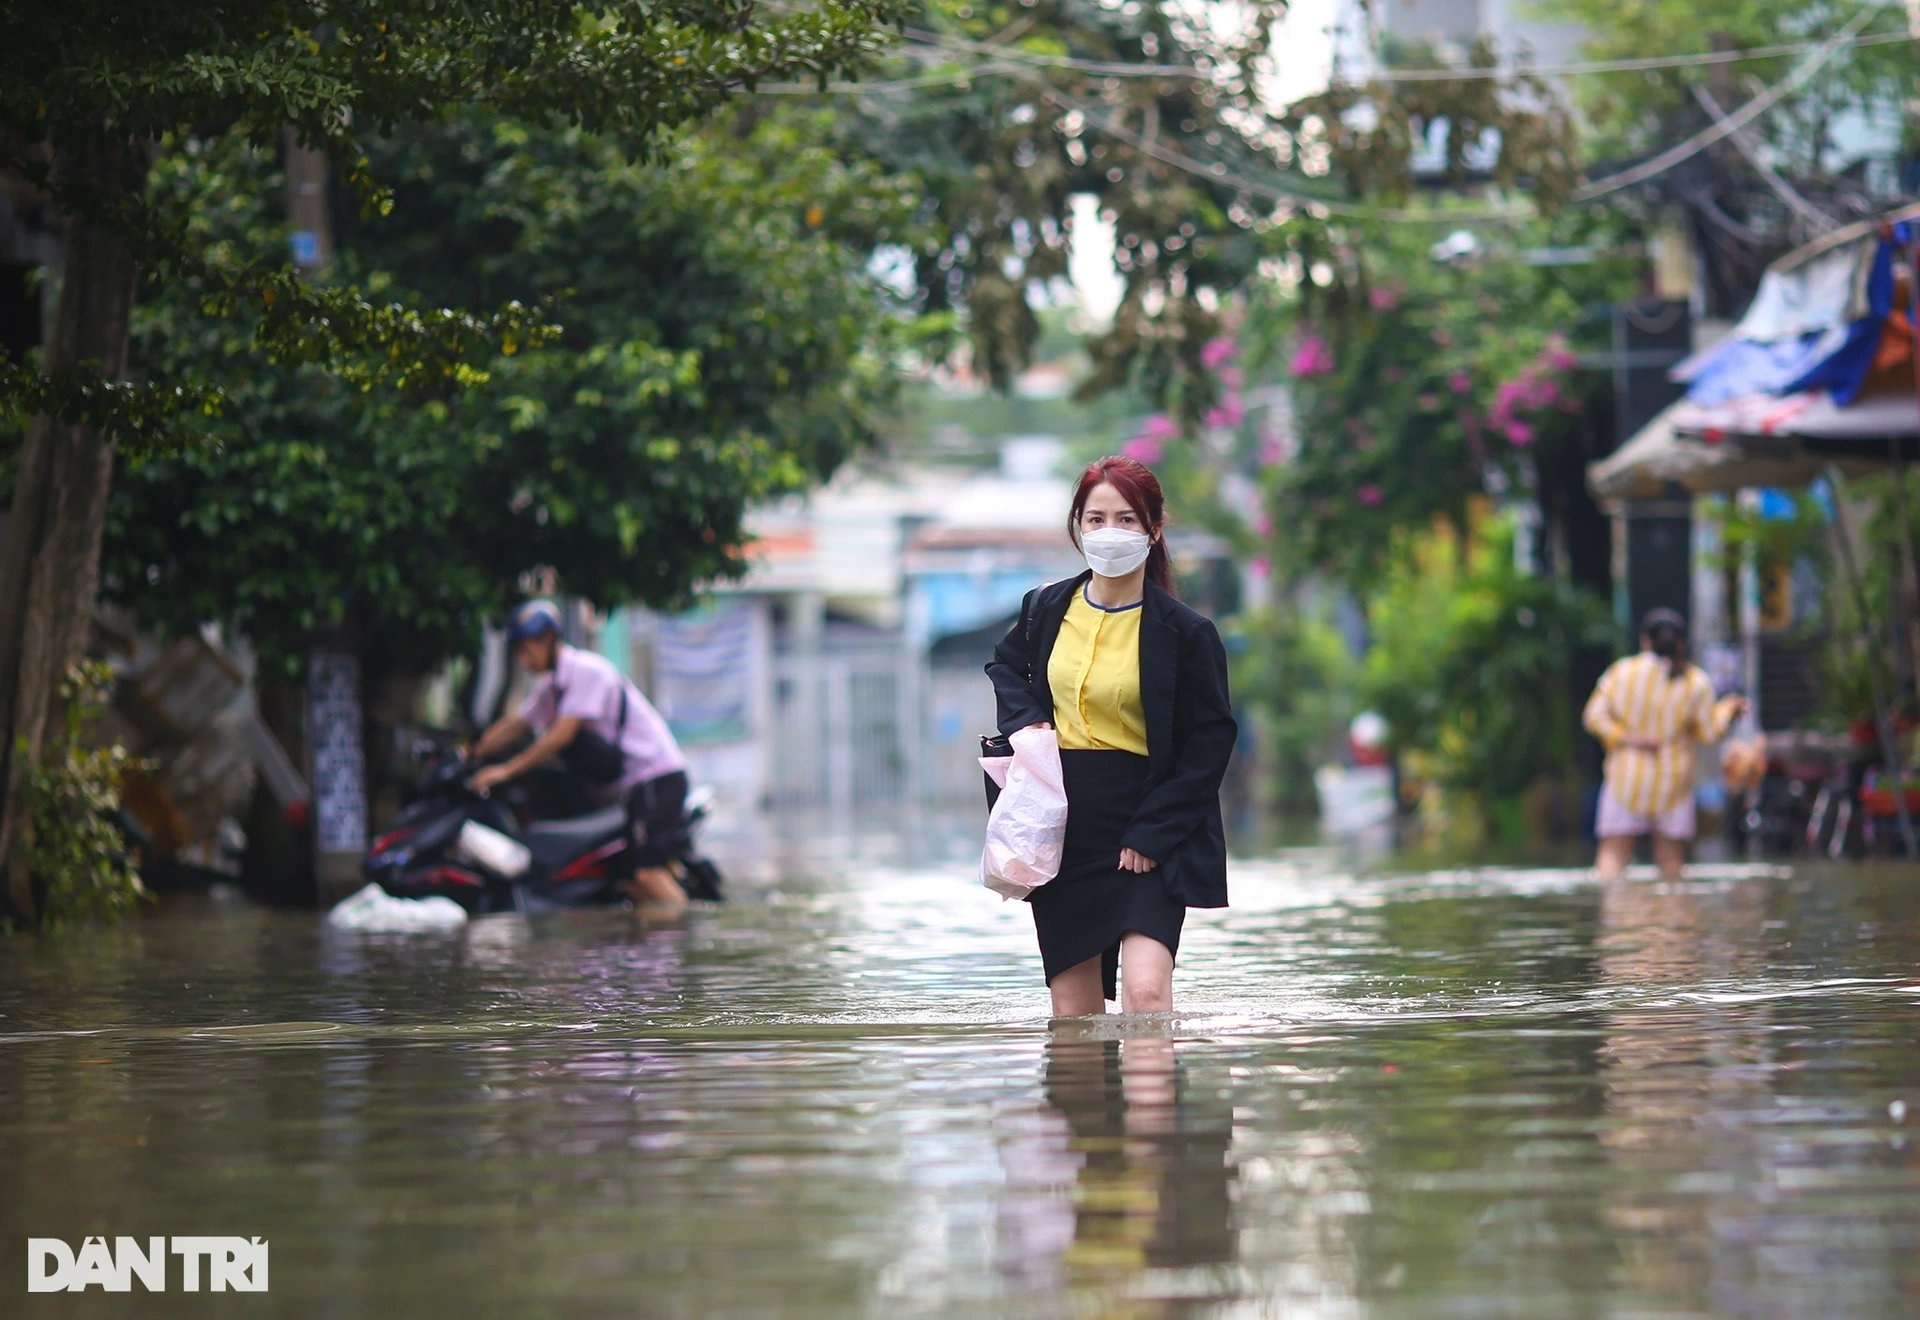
point(562, 840)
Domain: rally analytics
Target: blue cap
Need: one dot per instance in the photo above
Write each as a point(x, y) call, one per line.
point(535, 618)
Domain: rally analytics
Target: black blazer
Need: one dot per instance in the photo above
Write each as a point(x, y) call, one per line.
point(1190, 727)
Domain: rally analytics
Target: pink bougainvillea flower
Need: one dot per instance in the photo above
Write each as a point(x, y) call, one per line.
point(1460, 382)
point(1313, 357)
point(1230, 411)
point(1231, 378)
point(1215, 353)
point(1159, 427)
point(1519, 433)
point(1442, 338)
point(1145, 448)
point(1272, 451)
point(1370, 495)
point(1263, 525)
point(1262, 565)
point(1383, 299)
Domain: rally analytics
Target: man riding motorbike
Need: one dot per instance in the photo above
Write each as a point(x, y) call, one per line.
point(587, 714)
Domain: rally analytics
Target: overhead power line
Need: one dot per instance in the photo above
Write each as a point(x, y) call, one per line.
point(1219, 174)
point(1007, 60)
point(1810, 215)
point(1130, 69)
point(1643, 64)
point(1026, 66)
point(1739, 119)
point(1593, 190)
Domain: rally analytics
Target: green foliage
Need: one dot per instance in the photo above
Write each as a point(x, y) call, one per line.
point(1863, 634)
point(1008, 113)
point(87, 87)
point(1012, 112)
point(1652, 108)
point(1469, 664)
point(77, 851)
point(1773, 544)
point(724, 342)
point(1298, 678)
point(1417, 385)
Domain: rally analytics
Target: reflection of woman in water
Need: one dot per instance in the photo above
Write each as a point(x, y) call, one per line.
point(1151, 1178)
point(1135, 685)
point(1650, 710)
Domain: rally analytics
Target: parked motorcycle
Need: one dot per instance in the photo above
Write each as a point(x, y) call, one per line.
point(477, 850)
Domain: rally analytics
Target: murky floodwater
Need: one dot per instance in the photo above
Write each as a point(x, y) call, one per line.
point(1492, 1093)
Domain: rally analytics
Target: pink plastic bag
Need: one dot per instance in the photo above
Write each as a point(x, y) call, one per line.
point(1027, 828)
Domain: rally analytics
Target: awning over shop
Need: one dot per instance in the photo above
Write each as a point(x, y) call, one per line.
point(1683, 446)
point(1820, 371)
point(1878, 418)
point(1818, 321)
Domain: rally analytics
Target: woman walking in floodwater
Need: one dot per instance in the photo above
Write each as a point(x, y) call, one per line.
point(1135, 685)
point(1649, 710)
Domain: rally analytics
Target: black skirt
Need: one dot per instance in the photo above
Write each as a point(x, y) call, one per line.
point(1083, 912)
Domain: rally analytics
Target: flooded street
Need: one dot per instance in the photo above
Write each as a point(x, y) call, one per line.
point(1472, 1093)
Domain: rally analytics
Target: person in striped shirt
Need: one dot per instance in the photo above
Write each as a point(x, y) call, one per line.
point(1650, 710)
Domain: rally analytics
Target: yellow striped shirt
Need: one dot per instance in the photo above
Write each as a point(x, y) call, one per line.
point(1639, 699)
point(1095, 676)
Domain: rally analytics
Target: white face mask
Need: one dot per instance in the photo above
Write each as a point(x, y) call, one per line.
point(1114, 551)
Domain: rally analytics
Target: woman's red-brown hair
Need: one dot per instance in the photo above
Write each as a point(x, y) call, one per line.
point(1141, 490)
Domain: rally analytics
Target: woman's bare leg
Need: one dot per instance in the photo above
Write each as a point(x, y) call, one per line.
point(1077, 991)
point(1146, 974)
point(1616, 851)
point(1670, 855)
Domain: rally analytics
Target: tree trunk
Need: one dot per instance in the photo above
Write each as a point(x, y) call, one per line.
point(51, 561)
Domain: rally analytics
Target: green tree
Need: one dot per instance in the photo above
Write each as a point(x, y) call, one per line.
point(724, 343)
point(91, 91)
point(1792, 173)
point(1873, 73)
point(1009, 112)
point(1470, 662)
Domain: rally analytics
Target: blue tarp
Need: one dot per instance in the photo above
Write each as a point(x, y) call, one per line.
point(1836, 359)
point(1741, 366)
point(1844, 371)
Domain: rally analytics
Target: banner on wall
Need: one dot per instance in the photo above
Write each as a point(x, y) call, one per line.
point(703, 673)
point(339, 765)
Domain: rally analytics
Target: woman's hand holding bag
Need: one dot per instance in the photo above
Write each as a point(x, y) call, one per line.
point(1027, 828)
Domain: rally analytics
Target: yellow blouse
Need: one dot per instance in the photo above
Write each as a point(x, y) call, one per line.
point(1094, 673)
point(1639, 698)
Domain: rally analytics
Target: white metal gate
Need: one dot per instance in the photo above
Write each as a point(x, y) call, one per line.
point(846, 730)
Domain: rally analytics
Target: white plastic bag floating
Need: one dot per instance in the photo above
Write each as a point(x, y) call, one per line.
point(374, 909)
point(1027, 828)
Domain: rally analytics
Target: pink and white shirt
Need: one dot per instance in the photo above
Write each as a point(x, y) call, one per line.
point(588, 687)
